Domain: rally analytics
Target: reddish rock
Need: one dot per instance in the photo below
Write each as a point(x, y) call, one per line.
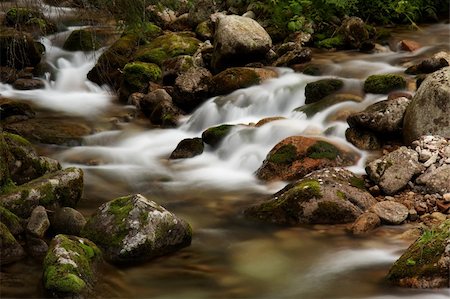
point(408, 45)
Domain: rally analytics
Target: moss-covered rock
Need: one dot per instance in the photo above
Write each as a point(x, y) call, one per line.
point(158, 107)
point(235, 78)
point(426, 263)
point(384, 83)
point(294, 157)
point(315, 91)
point(213, 136)
point(11, 220)
point(188, 148)
point(69, 266)
point(335, 42)
point(296, 56)
point(136, 77)
point(328, 101)
point(82, 40)
point(30, 20)
point(61, 188)
point(205, 30)
point(10, 250)
point(18, 50)
point(167, 46)
point(325, 196)
point(133, 229)
point(145, 31)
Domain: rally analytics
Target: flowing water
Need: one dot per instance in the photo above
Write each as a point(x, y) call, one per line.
point(230, 257)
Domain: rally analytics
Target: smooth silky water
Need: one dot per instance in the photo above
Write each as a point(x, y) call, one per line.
point(230, 257)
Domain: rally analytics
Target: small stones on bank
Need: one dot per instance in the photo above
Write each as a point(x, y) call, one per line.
point(390, 212)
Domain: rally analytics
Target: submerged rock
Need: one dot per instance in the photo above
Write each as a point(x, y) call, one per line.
point(426, 263)
point(213, 136)
point(326, 196)
point(294, 157)
point(82, 40)
point(188, 148)
point(316, 91)
point(10, 250)
point(384, 84)
point(428, 113)
point(69, 266)
point(133, 228)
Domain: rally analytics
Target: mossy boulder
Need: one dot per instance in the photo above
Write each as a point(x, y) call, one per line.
point(60, 188)
point(136, 77)
point(146, 31)
point(205, 30)
point(174, 67)
point(24, 164)
point(167, 46)
point(134, 228)
point(30, 20)
point(82, 40)
point(383, 84)
point(18, 49)
point(69, 266)
point(315, 91)
point(328, 101)
point(426, 263)
point(294, 157)
point(335, 42)
point(214, 135)
point(10, 250)
point(188, 148)
point(354, 32)
point(326, 196)
point(11, 220)
point(50, 131)
point(235, 78)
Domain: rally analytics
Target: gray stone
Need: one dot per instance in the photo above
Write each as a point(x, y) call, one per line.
point(38, 222)
point(436, 180)
point(428, 113)
point(159, 108)
point(188, 148)
point(36, 247)
point(393, 171)
point(390, 212)
point(295, 56)
point(192, 88)
point(67, 221)
point(134, 228)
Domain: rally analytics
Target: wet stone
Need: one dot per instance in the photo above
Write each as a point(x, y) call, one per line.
point(390, 212)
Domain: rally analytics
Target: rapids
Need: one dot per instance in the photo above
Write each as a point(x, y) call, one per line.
point(229, 257)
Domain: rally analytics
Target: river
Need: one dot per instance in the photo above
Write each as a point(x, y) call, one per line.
point(230, 257)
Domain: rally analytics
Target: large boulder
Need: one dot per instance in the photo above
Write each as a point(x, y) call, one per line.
point(428, 113)
point(82, 40)
point(354, 32)
point(134, 228)
point(18, 49)
point(436, 180)
point(426, 263)
point(30, 20)
point(60, 188)
point(10, 250)
point(192, 88)
point(427, 66)
point(393, 171)
point(238, 41)
point(326, 196)
point(69, 266)
point(294, 157)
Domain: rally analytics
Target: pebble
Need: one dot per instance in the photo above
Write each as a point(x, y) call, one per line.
point(446, 197)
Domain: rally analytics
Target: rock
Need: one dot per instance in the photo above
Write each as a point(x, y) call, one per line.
point(238, 41)
point(384, 118)
point(235, 78)
point(38, 222)
point(328, 101)
point(158, 107)
point(205, 30)
point(8, 74)
point(335, 42)
point(363, 139)
point(354, 32)
point(67, 221)
point(365, 223)
point(133, 229)
point(427, 66)
point(202, 10)
point(23, 162)
point(10, 250)
point(426, 262)
point(12, 222)
point(436, 180)
point(188, 148)
point(136, 78)
point(167, 46)
point(326, 196)
point(393, 171)
point(296, 56)
point(18, 50)
point(267, 120)
point(30, 20)
point(60, 188)
point(82, 40)
point(69, 266)
point(174, 67)
point(429, 109)
point(192, 88)
point(14, 110)
point(294, 157)
point(408, 45)
point(214, 135)
point(50, 131)
point(390, 212)
point(384, 83)
point(36, 247)
point(160, 15)
point(315, 91)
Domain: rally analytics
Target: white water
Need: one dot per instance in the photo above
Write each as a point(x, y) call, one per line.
point(139, 158)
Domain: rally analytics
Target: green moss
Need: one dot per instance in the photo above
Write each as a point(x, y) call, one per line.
point(235, 78)
point(357, 182)
point(63, 282)
point(213, 136)
point(335, 42)
point(144, 31)
point(286, 154)
point(120, 208)
point(6, 238)
point(383, 84)
point(81, 40)
point(306, 189)
point(322, 150)
point(341, 195)
point(17, 139)
point(21, 15)
point(317, 90)
point(10, 219)
point(136, 75)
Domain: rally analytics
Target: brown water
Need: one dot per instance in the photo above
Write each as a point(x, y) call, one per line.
point(230, 257)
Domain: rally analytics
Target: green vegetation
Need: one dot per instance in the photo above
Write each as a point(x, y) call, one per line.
point(384, 84)
point(136, 75)
point(286, 154)
point(322, 150)
point(213, 136)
